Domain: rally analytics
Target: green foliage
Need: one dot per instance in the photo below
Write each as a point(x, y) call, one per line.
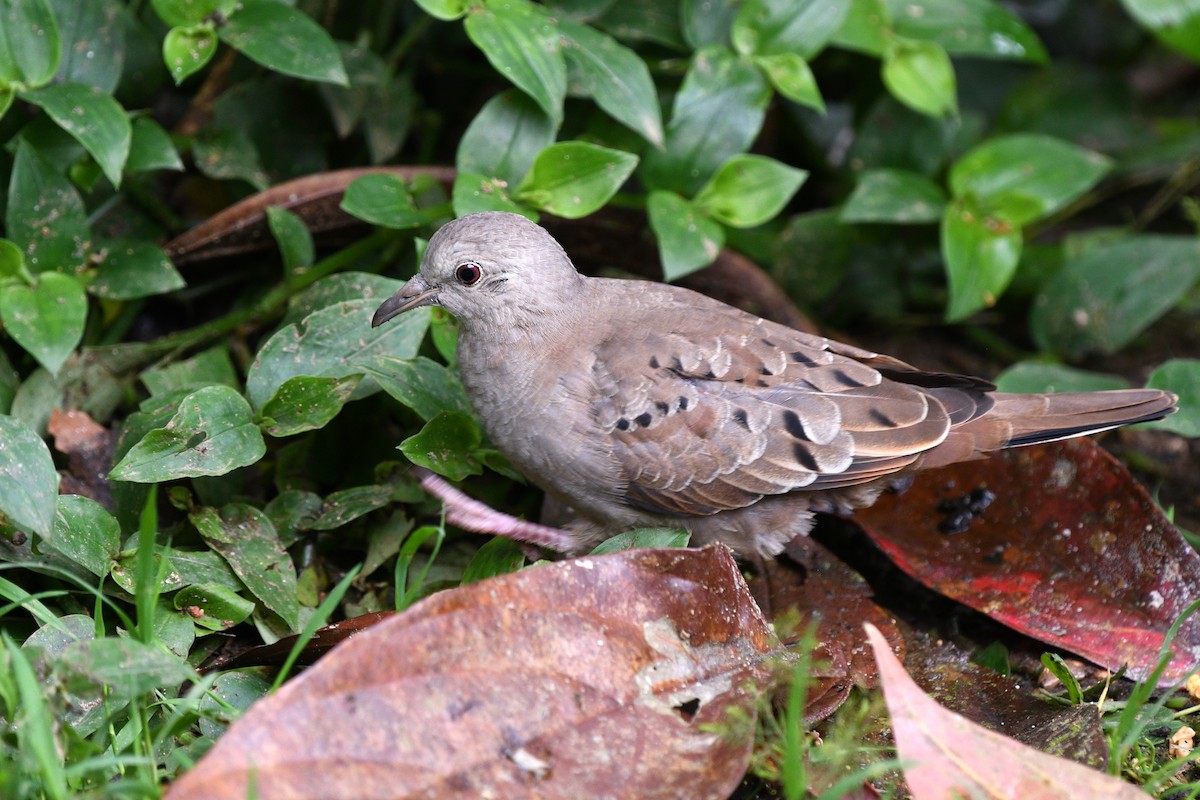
point(883, 160)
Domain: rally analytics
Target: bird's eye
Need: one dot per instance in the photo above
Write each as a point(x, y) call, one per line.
point(467, 274)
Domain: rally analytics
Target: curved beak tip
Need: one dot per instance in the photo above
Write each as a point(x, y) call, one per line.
point(415, 294)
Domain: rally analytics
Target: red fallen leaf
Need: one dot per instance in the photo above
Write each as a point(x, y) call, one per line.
point(1072, 552)
point(594, 677)
point(810, 585)
point(946, 756)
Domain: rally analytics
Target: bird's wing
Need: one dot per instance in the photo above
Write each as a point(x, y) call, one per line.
point(706, 423)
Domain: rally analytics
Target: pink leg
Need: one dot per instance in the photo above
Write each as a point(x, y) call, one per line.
point(472, 515)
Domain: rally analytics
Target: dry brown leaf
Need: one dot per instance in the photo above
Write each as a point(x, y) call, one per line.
point(88, 446)
point(593, 677)
point(947, 757)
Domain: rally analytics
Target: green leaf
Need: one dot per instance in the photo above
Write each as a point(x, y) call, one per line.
point(216, 608)
point(981, 253)
point(211, 433)
point(383, 200)
point(95, 29)
point(522, 43)
point(687, 240)
point(748, 190)
point(1181, 376)
point(644, 22)
point(12, 262)
point(47, 319)
point(573, 179)
point(615, 77)
point(791, 76)
point(245, 538)
point(967, 27)
point(772, 27)
point(293, 237)
point(706, 22)
point(896, 196)
point(1184, 37)
point(187, 50)
point(920, 75)
point(479, 193)
point(1037, 377)
point(444, 9)
point(1100, 300)
point(497, 556)
point(425, 386)
point(333, 343)
point(192, 12)
point(446, 445)
point(132, 269)
point(337, 288)
point(347, 505)
point(125, 667)
point(209, 367)
point(505, 137)
point(306, 403)
point(867, 27)
point(285, 40)
point(28, 481)
point(717, 114)
point(94, 118)
point(1027, 176)
point(225, 153)
point(85, 533)
point(151, 148)
point(30, 47)
point(643, 537)
point(45, 215)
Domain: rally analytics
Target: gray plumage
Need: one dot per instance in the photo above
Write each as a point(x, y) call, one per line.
point(644, 404)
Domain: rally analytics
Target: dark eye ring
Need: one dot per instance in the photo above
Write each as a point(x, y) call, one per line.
point(468, 273)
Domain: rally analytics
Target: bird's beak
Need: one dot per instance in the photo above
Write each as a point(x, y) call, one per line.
point(416, 293)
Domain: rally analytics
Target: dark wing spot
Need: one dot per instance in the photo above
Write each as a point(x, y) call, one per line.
point(662, 407)
point(800, 358)
point(760, 383)
point(791, 421)
point(683, 403)
point(653, 362)
point(742, 418)
point(804, 458)
point(768, 342)
point(710, 376)
point(643, 419)
point(622, 424)
point(882, 418)
point(845, 378)
point(765, 371)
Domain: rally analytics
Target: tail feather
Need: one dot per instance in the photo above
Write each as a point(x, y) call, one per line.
point(1016, 420)
point(1062, 416)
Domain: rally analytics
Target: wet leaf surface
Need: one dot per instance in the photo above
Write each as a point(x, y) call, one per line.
point(947, 756)
point(1071, 551)
point(590, 677)
point(1004, 703)
point(810, 586)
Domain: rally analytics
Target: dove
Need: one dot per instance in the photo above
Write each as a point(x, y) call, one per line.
point(641, 404)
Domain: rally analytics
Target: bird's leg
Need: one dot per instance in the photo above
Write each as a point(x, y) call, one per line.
point(472, 515)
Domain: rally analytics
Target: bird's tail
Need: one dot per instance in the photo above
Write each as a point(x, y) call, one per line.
point(1038, 418)
point(1016, 420)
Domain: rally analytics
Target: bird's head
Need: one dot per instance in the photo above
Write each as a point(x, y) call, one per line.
point(493, 270)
